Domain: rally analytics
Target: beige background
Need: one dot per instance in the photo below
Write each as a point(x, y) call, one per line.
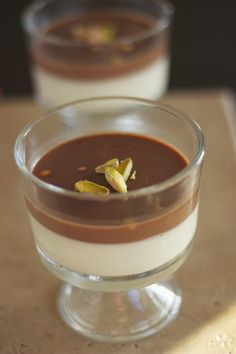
point(29, 322)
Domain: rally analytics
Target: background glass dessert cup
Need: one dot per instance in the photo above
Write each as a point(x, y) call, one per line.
point(92, 48)
point(116, 253)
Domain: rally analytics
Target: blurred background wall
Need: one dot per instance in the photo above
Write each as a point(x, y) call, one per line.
point(203, 46)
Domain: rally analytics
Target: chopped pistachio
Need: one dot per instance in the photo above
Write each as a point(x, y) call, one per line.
point(108, 33)
point(85, 186)
point(110, 163)
point(115, 179)
point(125, 168)
point(45, 173)
point(133, 176)
point(94, 34)
point(82, 168)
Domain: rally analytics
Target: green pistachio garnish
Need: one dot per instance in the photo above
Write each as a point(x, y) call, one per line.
point(108, 33)
point(116, 174)
point(125, 168)
point(85, 186)
point(115, 179)
point(110, 163)
point(94, 34)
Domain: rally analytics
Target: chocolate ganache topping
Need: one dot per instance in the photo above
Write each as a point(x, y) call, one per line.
point(103, 219)
point(99, 45)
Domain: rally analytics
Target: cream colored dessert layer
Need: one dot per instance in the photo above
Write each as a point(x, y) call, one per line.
point(149, 82)
point(115, 259)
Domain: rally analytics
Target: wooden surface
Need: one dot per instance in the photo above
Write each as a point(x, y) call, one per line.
point(29, 322)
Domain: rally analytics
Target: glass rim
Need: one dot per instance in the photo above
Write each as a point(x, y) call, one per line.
point(31, 10)
point(155, 188)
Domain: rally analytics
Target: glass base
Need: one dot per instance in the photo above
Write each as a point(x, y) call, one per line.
point(114, 283)
point(120, 316)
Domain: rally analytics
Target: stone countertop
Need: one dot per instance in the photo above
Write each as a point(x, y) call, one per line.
point(29, 321)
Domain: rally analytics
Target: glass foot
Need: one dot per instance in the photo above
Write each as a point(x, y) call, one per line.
point(120, 316)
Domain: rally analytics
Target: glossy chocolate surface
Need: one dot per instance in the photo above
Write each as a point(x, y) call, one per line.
point(78, 57)
point(154, 161)
point(105, 220)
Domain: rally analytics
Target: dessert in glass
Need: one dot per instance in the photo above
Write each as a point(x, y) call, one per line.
point(92, 48)
point(113, 201)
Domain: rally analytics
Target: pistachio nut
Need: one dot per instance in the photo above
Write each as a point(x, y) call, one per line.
point(110, 163)
point(115, 179)
point(85, 186)
point(125, 168)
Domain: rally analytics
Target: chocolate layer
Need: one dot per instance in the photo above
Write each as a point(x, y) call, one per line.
point(76, 159)
point(129, 232)
point(86, 61)
point(109, 220)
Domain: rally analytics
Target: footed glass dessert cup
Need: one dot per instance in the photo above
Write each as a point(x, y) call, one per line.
point(115, 253)
point(91, 48)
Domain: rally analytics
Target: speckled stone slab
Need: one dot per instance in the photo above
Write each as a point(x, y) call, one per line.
point(29, 321)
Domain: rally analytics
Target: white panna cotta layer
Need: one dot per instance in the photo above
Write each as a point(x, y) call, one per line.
point(115, 259)
point(149, 82)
